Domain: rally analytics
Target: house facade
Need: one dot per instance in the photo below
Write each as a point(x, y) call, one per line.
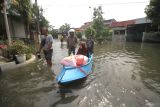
point(107, 23)
point(119, 30)
point(130, 30)
point(136, 30)
point(17, 28)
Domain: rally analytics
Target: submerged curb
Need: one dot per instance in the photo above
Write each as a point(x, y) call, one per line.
point(13, 65)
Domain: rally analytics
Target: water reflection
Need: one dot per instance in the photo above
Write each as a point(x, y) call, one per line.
point(64, 100)
point(150, 66)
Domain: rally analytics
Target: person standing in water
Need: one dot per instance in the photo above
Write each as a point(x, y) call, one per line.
point(61, 39)
point(90, 46)
point(47, 46)
point(71, 42)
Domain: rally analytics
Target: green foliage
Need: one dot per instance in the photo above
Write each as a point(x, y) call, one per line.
point(79, 35)
point(98, 13)
point(2, 42)
point(43, 22)
point(64, 28)
point(101, 32)
point(153, 11)
point(89, 32)
point(23, 9)
point(106, 33)
point(18, 47)
point(54, 33)
point(29, 51)
point(35, 10)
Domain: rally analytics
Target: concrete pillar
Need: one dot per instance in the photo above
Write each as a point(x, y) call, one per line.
point(113, 35)
point(125, 34)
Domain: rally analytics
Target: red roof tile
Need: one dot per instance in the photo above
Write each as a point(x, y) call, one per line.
point(122, 23)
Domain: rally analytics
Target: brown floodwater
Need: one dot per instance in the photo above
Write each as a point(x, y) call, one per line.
point(124, 75)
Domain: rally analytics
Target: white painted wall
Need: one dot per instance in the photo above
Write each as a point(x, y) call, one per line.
point(119, 37)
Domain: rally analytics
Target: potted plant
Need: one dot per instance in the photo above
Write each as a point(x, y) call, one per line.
point(18, 49)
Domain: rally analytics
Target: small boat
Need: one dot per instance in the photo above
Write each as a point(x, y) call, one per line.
point(71, 74)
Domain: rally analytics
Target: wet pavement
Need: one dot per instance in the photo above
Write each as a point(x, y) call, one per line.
point(124, 75)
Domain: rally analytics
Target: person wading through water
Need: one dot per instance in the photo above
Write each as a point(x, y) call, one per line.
point(47, 46)
point(90, 46)
point(71, 42)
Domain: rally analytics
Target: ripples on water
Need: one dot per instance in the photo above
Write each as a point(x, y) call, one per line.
point(124, 75)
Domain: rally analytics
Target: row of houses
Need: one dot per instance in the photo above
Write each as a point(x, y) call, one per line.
point(17, 29)
point(129, 30)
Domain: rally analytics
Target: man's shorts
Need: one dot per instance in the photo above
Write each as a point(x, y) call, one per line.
point(48, 54)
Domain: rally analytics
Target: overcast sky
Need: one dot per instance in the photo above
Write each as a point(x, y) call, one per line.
point(77, 12)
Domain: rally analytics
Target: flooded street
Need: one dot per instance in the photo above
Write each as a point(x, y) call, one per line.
point(124, 75)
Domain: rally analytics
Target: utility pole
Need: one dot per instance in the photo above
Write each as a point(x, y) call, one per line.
point(6, 22)
point(37, 20)
point(37, 36)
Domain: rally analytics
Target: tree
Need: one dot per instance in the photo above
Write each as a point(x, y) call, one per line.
point(43, 22)
point(153, 12)
point(79, 35)
point(64, 29)
point(100, 30)
point(89, 32)
point(54, 33)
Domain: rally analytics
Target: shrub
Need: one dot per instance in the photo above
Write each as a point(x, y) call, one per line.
point(89, 32)
point(79, 35)
point(18, 47)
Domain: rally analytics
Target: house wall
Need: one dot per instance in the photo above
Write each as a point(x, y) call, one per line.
point(119, 34)
point(135, 32)
point(17, 29)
